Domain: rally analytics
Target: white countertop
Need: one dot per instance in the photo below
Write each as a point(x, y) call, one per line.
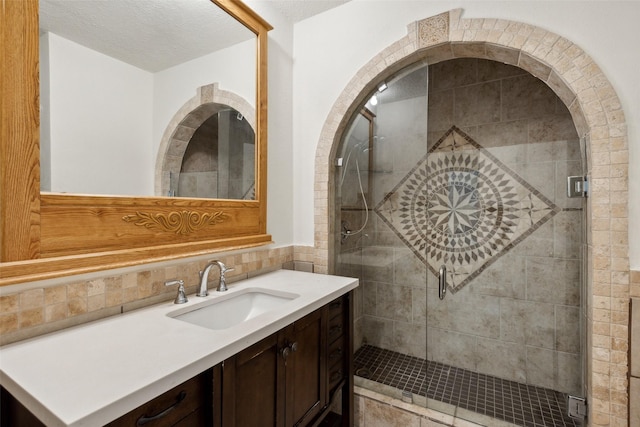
point(92, 374)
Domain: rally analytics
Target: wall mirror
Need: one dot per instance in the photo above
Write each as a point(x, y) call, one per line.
point(124, 221)
point(112, 76)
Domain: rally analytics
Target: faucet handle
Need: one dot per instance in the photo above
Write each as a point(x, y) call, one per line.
point(181, 298)
point(225, 269)
point(222, 286)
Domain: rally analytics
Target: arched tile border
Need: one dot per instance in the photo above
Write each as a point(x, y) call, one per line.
point(598, 116)
point(209, 100)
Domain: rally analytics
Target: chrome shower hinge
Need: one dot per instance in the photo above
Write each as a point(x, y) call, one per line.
point(577, 186)
point(576, 407)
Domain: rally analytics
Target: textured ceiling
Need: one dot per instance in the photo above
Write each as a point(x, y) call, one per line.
point(298, 10)
point(157, 34)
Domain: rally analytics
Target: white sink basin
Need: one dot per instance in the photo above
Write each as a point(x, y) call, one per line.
point(229, 310)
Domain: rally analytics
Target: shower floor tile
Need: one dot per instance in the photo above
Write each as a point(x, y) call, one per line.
point(510, 401)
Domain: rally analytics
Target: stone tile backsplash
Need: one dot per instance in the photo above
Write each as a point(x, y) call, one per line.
point(35, 309)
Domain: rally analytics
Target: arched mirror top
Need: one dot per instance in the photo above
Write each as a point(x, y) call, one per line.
point(46, 235)
point(222, 125)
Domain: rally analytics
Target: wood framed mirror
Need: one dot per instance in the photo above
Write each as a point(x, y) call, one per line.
point(52, 235)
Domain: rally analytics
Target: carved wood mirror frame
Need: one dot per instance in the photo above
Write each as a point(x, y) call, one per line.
point(45, 236)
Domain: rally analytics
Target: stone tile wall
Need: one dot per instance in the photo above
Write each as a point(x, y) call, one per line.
point(33, 309)
point(634, 351)
point(519, 318)
point(373, 409)
point(524, 324)
point(597, 113)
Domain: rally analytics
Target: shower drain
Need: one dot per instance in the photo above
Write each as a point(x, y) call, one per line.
point(363, 372)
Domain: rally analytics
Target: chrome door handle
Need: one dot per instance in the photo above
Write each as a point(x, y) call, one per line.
point(442, 282)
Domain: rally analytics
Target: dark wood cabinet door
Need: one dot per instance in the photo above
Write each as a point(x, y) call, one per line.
point(12, 413)
point(305, 368)
point(253, 386)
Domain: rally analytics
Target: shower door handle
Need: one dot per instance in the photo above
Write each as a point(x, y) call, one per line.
point(442, 282)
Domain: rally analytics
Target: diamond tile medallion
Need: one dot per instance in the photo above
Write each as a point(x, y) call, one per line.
point(463, 208)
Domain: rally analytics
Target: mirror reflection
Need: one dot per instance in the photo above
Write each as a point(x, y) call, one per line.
point(113, 74)
point(219, 160)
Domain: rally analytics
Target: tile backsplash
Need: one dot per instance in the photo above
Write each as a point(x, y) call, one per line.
point(34, 309)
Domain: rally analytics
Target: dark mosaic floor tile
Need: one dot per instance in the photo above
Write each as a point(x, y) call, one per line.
point(520, 404)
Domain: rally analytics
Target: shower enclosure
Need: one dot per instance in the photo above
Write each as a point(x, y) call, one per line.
point(218, 161)
point(452, 209)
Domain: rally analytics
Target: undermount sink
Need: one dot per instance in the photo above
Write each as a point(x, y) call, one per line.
point(229, 310)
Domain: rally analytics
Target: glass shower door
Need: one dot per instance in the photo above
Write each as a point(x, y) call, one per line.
point(381, 150)
point(504, 341)
point(453, 213)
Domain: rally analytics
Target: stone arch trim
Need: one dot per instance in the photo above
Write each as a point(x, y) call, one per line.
point(598, 116)
point(209, 100)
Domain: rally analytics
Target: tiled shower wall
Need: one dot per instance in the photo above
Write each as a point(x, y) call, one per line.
point(519, 318)
point(203, 175)
point(634, 349)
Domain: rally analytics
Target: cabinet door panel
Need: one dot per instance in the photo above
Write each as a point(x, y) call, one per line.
point(251, 387)
point(306, 371)
point(13, 413)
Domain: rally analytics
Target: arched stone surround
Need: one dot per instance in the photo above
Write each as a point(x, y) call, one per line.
point(208, 101)
point(598, 116)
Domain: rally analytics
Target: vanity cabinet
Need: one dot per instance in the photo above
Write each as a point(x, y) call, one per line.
point(186, 405)
point(281, 380)
point(294, 377)
point(338, 345)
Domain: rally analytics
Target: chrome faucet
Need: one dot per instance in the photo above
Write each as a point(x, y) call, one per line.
point(181, 298)
point(204, 277)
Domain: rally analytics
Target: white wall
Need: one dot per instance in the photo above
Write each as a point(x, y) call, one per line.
point(107, 116)
point(280, 206)
point(232, 68)
point(100, 121)
point(330, 48)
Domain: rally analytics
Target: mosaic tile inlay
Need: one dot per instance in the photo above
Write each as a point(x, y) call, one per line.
point(463, 208)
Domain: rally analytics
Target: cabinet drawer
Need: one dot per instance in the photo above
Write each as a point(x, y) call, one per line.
point(172, 407)
point(336, 340)
point(335, 353)
point(336, 374)
point(335, 307)
point(336, 328)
